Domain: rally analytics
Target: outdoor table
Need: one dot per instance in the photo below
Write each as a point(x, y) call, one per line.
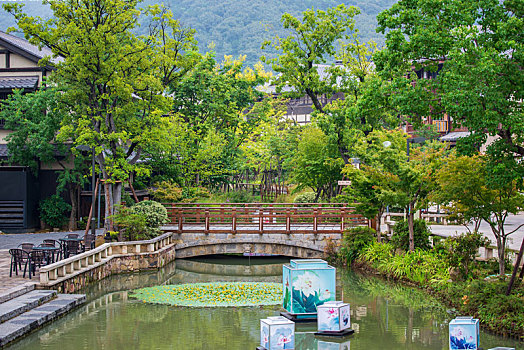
point(49, 251)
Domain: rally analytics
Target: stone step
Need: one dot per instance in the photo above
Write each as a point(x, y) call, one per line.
point(16, 291)
point(33, 319)
point(23, 303)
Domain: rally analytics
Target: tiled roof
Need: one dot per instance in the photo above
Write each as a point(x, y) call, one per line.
point(30, 82)
point(454, 136)
point(28, 47)
point(323, 73)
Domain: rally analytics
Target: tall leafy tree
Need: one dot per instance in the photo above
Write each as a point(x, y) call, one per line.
point(464, 188)
point(311, 41)
point(392, 177)
point(305, 65)
point(113, 81)
point(316, 165)
point(477, 49)
point(220, 107)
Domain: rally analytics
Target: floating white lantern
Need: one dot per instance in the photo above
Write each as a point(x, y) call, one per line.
point(464, 333)
point(277, 333)
point(333, 316)
point(306, 285)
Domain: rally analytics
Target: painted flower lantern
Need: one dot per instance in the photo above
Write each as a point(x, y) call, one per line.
point(332, 345)
point(464, 333)
point(276, 333)
point(306, 285)
point(333, 316)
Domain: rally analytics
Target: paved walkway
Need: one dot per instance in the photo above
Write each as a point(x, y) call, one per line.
point(7, 282)
point(13, 240)
point(512, 222)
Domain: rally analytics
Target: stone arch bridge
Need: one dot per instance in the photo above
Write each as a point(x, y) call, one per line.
point(295, 230)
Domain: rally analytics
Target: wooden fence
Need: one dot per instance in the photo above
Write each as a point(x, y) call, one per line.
point(262, 218)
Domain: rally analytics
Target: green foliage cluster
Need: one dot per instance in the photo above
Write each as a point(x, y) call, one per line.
point(354, 241)
point(400, 237)
point(167, 192)
point(420, 266)
point(241, 197)
point(53, 211)
point(461, 250)
point(487, 301)
point(154, 215)
point(131, 226)
point(142, 220)
point(306, 197)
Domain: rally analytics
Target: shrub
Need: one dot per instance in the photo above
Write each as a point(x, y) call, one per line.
point(193, 194)
point(241, 197)
point(461, 250)
point(377, 252)
point(131, 225)
point(306, 197)
point(167, 192)
point(400, 237)
point(354, 241)
point(154, 214)
point(420, 266)
point(53, 211)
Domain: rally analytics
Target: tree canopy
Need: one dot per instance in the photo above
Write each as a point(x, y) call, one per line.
point(476, 48)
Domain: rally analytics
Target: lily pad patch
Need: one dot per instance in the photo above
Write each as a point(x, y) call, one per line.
point(216, 294)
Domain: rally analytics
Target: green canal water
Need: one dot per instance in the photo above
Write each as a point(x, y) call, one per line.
point(384, 315)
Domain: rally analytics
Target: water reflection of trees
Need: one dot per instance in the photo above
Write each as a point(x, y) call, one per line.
point(397, 314)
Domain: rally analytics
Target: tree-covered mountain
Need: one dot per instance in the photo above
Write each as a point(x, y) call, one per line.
point(238, 27)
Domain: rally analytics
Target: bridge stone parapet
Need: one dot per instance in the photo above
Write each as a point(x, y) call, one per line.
point(299, 245)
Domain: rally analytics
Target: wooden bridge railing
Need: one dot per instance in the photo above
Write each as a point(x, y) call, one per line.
point(262, 217)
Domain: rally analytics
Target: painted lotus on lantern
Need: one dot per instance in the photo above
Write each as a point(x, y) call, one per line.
point(462, 338)
point(309, 291)
point(307, 284)
point(284, 336)
point(328, 320)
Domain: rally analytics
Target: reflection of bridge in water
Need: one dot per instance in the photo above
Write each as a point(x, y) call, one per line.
point(298, 230)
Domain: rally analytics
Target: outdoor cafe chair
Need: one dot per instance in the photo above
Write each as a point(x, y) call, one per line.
point(72, 248)
point(89, 242)
point(38, 258)
point(72, 235)
point(19, 257)
point(55, 243)
point(49, 250)
point(28, 247)
point(51, 241)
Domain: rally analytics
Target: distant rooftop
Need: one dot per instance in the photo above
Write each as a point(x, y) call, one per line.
point(454, 136)
point(10, 83)
point(323, 73)
point(27, 47)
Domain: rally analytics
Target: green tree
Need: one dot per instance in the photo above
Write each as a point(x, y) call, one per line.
point(395, 178)
point(220, 108)
point(35, 119)
point(311, 42)
point(113, 81)
point(315, 165)
point(303, 70)
point(366, 180)
point(465, 189)
point(477, 46)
